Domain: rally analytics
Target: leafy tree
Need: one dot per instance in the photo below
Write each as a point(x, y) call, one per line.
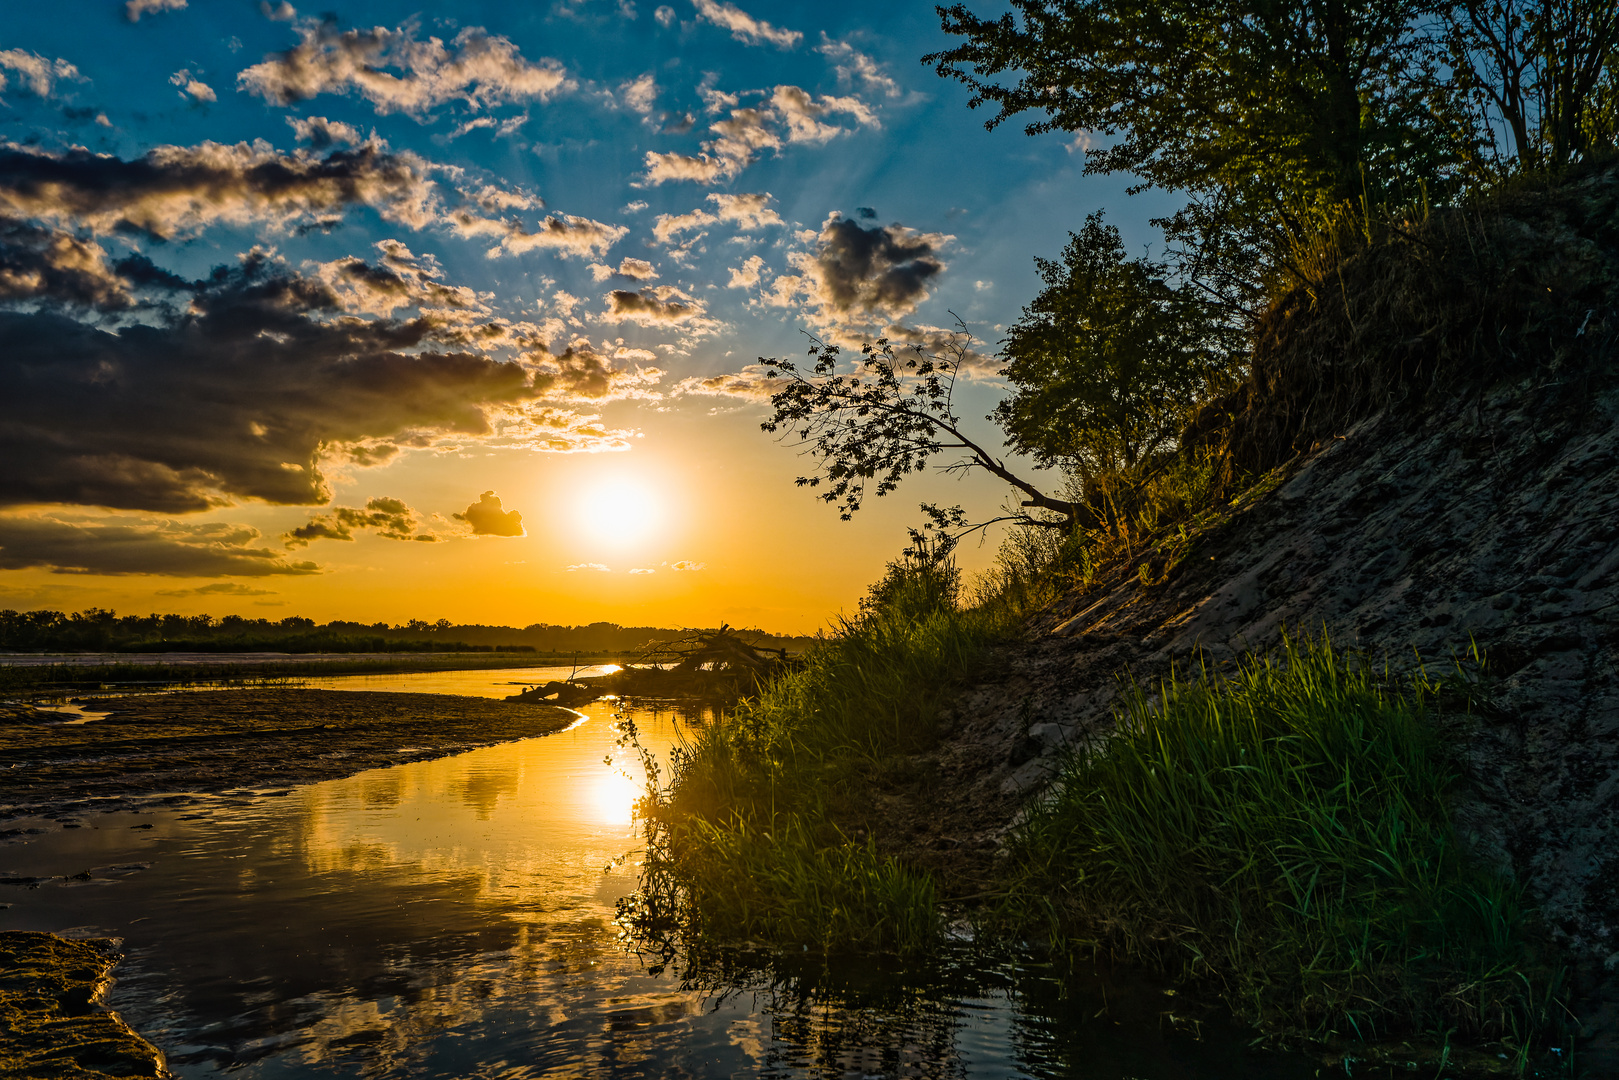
point(1108, 359)
point(889, 417)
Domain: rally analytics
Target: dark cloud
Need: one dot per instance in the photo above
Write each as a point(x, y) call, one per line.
point(218, 588)
point(242, 394)
point(861, 274)
point(39, 263)
point(76, 545)
point(663, 304)
point(488, 519)
point(387, 517)
point(179, 190)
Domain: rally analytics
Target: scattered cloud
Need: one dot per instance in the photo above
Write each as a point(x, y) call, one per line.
point(747, 212)
point(396, 72)
point(665, 15)
point(660, 304)
point(192, 88)
point(487, 518)
point(854, 66)
point(387, 517)
point(36, 74)
point(282, 12)
point(788, 115)
point(75, 544)
point(134, 9)
point(636, 269)
point(748, 274)
point(323, 134)
point(640, 94)
point(687, 564)
point(744, 27)
point(642, 570)
point(564, 234)
point(750, 384)
point(594, 566)
point(219, 588)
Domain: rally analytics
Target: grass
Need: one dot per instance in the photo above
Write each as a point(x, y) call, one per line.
point(747, 840)
point(1284, 836)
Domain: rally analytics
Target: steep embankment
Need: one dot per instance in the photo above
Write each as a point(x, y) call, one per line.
point(1455, 407)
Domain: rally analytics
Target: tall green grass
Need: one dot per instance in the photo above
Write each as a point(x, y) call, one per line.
point(747, 840)
point(1285, 835)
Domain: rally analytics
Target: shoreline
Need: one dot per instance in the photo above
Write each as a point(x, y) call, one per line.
point(174, 749)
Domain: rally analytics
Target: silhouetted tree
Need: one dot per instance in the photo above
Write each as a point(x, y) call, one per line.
point(890, 416)
point(1108, 359)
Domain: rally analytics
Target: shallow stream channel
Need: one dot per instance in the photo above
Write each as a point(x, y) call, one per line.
point(455, 918)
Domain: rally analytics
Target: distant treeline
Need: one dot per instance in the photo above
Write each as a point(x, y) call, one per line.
point(100, 630)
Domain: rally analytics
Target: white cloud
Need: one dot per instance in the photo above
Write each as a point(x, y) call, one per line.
point(747, 275)
point(478, 68)
point(640, 94)
point(596, 566)
point(665, 15)
point(744, 27)
point(854, 66)
point(192, 88)
point(35, 73)
point(747, 212)
point(134, 9)
point(790, 115)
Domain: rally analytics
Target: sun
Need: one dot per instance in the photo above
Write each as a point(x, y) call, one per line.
point(619, 512)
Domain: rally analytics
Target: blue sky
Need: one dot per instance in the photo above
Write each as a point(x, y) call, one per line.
point(620, 205)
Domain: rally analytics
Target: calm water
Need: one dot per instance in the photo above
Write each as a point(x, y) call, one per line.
point(455, 918)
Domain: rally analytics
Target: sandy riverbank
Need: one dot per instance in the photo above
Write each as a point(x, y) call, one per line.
point(170, 749)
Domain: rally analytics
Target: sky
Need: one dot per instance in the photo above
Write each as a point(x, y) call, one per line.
point(387, 311)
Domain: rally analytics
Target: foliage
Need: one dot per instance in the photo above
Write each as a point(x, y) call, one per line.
point(1549, 69)
point(1108, 359)
point(751, 836)
point(1286, 833)
point(886, 419)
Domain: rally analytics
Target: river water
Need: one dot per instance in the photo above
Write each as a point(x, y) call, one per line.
point(455, 918)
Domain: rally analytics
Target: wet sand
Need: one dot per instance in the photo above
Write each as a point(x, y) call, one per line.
point(173, 749)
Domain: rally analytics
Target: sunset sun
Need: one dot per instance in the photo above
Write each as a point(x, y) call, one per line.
point(618, 512)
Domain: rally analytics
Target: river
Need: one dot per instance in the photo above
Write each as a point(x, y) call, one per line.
point(455, 918)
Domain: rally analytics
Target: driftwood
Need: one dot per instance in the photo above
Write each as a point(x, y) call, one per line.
point(710, 665)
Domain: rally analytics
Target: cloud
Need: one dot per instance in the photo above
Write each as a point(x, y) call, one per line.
point(219, 588)
point(642, 570)
point(659, 305)
point(636, 269)
point(282, 12)
point(687, 564)
point(581, 372)
point(854, 272)
point(747, 212)
point(747, 275)
point(488, 519)
point(855, 66)
point(43, 263)
point(744, 27)
point(192, 88)
point(387, 517)
point(789, 115)
point(79, 545)
point(665, 15)
point(640, 94)
point(322, 134)
point(35, 73)
point(478, 68)
point(176, 191)
point(250, 392)
point(398, 279)
point(595, 566)
point(750, 384)
point(562, 233)
point(134, 9)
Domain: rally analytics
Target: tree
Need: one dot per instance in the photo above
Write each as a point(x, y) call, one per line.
point(1550, 70)
point(887, 418)
point(1108, 359)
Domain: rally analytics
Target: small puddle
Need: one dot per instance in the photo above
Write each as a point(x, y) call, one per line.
point(455, 918)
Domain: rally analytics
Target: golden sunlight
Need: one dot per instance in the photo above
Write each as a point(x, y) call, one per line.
point(614, 796)
point(618, 512)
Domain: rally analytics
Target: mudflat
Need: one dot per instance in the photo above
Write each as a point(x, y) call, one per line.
point(171, 749)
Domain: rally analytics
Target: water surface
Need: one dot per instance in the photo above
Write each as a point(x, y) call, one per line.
point(455, 918)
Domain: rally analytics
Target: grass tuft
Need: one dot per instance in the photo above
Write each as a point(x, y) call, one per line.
point(1285, 834)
